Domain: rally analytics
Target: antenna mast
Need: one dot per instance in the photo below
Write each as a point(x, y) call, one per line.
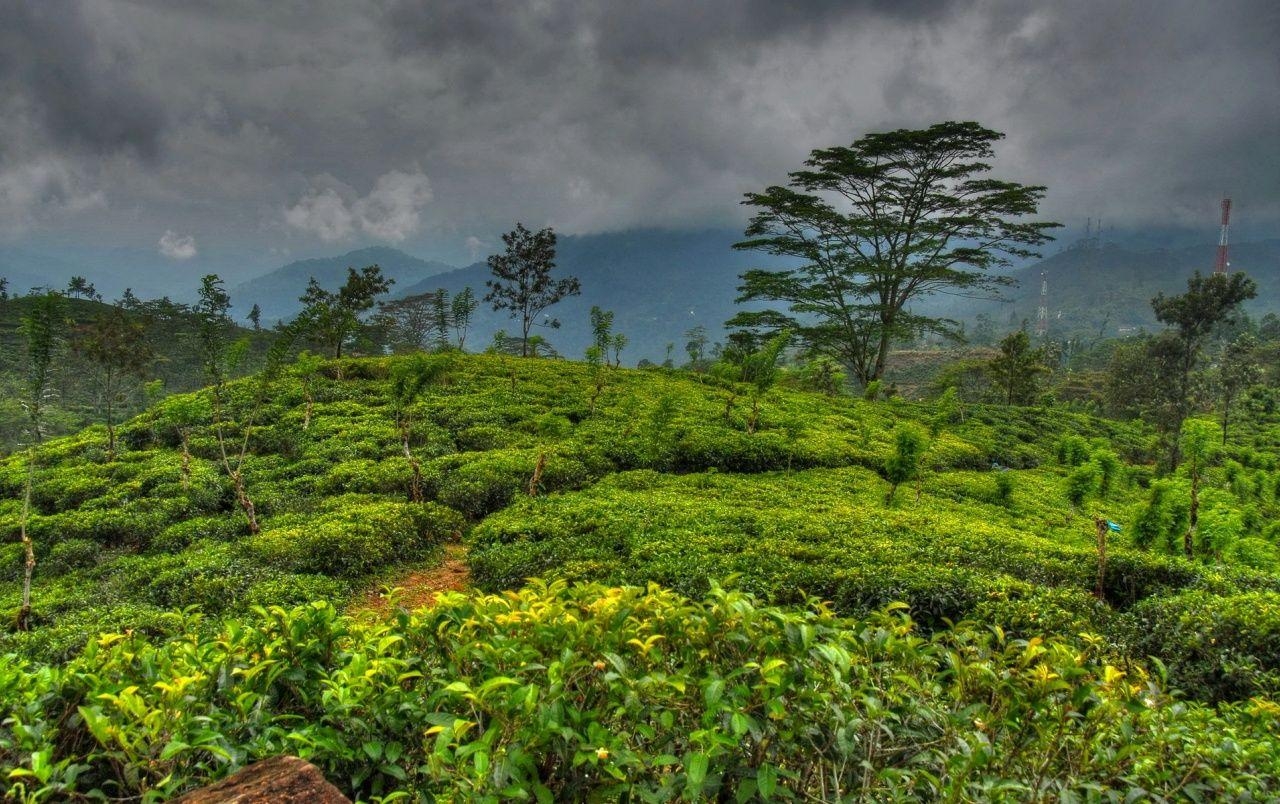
point(1220, 265)
point(1042, 313)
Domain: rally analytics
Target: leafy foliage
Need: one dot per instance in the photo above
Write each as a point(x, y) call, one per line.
point(913, 212)
point(647, 479)
point(590, 693)
point(522, 283)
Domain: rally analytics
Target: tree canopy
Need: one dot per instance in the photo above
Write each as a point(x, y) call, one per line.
point(877, 224)
point(333, 316)
point(522, 283)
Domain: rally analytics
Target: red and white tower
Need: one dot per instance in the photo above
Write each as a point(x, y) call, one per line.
point(1220, 265)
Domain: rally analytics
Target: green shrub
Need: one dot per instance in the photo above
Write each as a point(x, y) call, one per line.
point(594, 693)
point(1072, 450)
point(71, 554)
point(180, 536)
point(354, 538)
point(1082, 482)
point(12, 558)
point(1218, 648)
point(1109, 469)
point(904, 464)
point(1004, 488)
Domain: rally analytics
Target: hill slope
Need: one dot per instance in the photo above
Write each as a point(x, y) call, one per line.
point(659, 284)
point(546, 468)
point(1100, 291)
point(277, 293)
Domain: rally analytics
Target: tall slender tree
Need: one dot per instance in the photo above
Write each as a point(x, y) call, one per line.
point(1192, 317)
point(522, 283)
point(1015, 369)
point(1238, 370)
point(43, 329)
point(332, 317)
point(461, 309)
point(118, 346)
point(1197, 445)
point(220, 356)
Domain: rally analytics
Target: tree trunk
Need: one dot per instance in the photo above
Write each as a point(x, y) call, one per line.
point(595, 396)
point(246, 504)
point(28, 547)
point(1102, 528)
point(415, 482)
point(882, 353)
point(536, 480)
point(1193, 517)
point(186, 459)
point(306, 415)
point(111, 427)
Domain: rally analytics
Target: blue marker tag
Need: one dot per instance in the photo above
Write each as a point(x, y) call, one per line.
point(1115, 526)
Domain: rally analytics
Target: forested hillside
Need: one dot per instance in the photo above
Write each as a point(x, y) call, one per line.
point(1103, 291)
point(356, 472)
point(159, 358)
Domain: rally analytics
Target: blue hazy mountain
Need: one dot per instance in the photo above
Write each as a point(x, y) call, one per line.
point(659, 284)
point(277, 292)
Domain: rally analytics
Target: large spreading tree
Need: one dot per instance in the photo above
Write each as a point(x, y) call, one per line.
point(522, 283)
point(878, 224)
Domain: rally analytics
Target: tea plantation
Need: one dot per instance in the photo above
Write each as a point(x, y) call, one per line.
point(736, 603)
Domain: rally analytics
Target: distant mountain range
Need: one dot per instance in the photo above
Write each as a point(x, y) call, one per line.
point(658, 283)
point(277, 293)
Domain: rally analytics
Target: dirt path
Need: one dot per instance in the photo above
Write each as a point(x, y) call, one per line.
point(421, 587)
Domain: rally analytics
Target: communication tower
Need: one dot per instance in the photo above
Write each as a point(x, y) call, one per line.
point(1220, 265)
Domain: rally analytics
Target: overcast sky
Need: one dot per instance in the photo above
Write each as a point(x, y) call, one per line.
point(302, 127)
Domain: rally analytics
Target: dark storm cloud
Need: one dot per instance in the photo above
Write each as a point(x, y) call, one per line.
point(78, 88)
point(296, 123)
point(630, 35)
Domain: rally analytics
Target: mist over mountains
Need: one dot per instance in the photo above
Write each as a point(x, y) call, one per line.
point(1106, 290)
point(659, 283)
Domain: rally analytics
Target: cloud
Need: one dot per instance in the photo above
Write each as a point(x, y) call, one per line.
point(177, 247)
point(67, 64)
point(323, 213)
point(475, 247)
point(391, 211)
point(38, 188)
point(597, 116)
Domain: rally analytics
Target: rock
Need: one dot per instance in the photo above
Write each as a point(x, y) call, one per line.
point(279, 780)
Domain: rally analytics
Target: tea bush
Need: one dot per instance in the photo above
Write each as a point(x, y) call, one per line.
point(354, 537)
point(659, 481)
point(596, 693)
